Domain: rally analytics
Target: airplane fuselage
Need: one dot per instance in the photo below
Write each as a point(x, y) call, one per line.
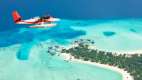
point(44, 21)
point(37, 20)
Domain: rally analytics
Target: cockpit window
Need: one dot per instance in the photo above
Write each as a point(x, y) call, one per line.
point(45, 17)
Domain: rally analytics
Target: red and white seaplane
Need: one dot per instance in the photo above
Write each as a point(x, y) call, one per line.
point(39, 22)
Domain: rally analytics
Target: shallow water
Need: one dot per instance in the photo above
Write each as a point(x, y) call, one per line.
point(42, 66)
point(127, 35)
point(23, 57)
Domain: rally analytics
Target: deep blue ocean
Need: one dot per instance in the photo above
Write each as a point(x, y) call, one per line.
point(69, 9)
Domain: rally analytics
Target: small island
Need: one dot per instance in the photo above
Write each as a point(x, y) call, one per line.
point(130, 63)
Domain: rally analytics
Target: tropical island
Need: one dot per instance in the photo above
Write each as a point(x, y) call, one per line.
point(130, 63)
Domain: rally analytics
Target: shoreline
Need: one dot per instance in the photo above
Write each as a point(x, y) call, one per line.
point(117, 52)
point(124, 52)
point(125, 74)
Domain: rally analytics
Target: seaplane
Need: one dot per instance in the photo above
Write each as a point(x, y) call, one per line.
point(38, 22)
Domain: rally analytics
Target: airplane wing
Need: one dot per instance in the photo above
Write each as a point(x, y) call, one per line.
point(43, 25)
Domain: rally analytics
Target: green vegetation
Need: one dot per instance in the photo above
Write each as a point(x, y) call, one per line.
point(130, 63)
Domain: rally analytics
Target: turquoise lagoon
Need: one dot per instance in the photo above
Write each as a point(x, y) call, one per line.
point(24, 56)
point(42, 66)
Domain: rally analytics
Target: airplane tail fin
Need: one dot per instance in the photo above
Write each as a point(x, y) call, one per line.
point(16, 16)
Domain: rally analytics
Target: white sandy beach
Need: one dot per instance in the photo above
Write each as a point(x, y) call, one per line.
point(118, 52)
point(125, 74)
point(125, 52)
